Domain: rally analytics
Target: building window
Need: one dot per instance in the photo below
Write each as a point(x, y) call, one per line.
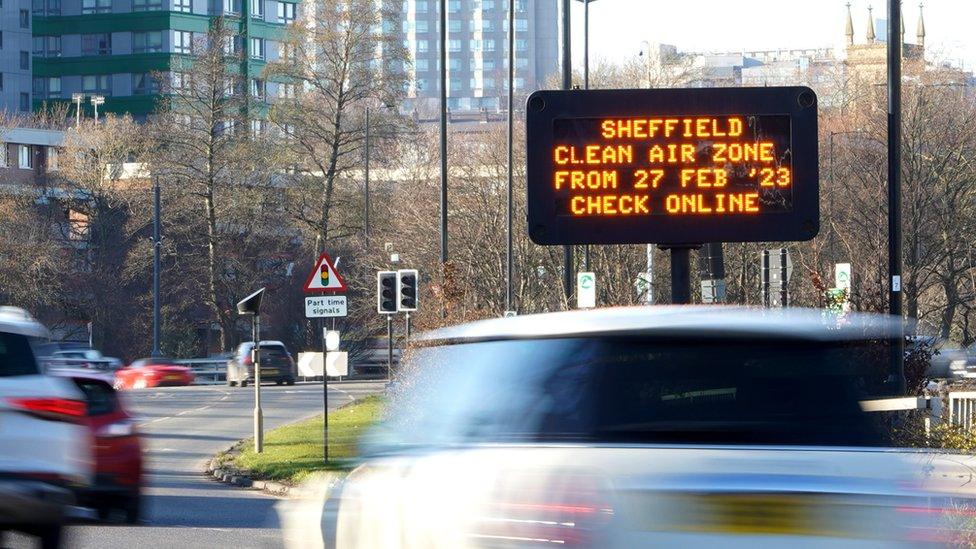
point(257, 128)
point(230, 7)
point(52, 159)
point(25, 155)
point(147, 5)
point(422, 46)
point(96, 6)
point(454, 6)
point(453, 25)
point(286, 12)
point(286, 91)
point(24, 19)
point(54, 87)
point(520, 45)
point(422, 26)
point(421, 65)
point(490, 45)
point(143, 84)
point(3, 155)
point(454, 45)
point(257, 9)
point(100, 83)
point(519, 83)
point(257, 48)
point(521, 62)
point(147, 42)
point(39, 46)
point(37, 7)
point(25, 61)
point(421, 6)
point(54, 7)
point(182, 5)
point(1, 81)
point(96, 44)
point(521, 24)
point(182, 41)
point(230, 45)
point(180, 81)
point(1, 40)
point(258, 89)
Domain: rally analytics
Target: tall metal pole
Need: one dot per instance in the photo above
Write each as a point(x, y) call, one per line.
point(567, 81)
point(511, 125)
point(897, 373)
point(366, 184)
point(586, 86)
point(156, 268)
point(258, 413)
point(680, 275)
point(443, 90)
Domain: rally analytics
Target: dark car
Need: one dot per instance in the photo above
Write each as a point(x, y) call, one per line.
point(277, 364)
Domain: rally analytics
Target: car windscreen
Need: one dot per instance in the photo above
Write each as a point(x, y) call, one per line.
point(631, 390)
point(16, 356)
point(99, 396)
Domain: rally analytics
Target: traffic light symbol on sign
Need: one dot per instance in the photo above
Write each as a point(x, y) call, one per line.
point(407, 290)
point(386, 287)
point(324, 275)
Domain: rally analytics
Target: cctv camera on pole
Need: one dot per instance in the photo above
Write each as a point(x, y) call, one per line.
point(251, 305)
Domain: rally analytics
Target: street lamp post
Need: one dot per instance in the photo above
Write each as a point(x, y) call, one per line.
point(97, 100)
point(511, 128)
point(586, 86)
point(366, 184)
point(77, 98)
point(156, 268)
point(897, 373)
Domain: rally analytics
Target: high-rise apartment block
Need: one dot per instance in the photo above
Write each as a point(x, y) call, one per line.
point(477, 50)
point(15, 56)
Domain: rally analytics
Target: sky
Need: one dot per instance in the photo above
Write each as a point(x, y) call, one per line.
point(617, 27)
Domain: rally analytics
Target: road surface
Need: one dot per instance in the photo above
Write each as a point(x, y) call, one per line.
point(183, 427)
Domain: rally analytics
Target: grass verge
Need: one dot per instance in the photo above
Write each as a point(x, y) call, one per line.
point(293, 452)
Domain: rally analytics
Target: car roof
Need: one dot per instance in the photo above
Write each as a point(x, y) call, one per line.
point(15, 320)
point(264, 343)
point(82, 373)
point(673, 321)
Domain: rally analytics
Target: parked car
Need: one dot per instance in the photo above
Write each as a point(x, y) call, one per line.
point(45, 447)
point(117, 448)
point(153, 372)
point(637, 427)
point(277, 364)
point(81, 358)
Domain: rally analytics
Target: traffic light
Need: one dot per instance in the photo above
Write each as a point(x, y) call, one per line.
point(386, 289)
point(407, 290)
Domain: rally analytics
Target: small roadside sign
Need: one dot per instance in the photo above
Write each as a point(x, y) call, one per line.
point(324, 277)
point(327, 306)
point(842, 276)
point(586, 290)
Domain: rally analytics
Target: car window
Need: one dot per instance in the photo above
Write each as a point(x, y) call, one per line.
point(16, 356)
point(629, 390)
point(99, 396)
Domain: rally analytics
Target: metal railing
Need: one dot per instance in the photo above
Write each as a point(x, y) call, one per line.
point(208, 371)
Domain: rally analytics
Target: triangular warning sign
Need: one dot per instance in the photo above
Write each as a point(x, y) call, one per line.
point(324, 277)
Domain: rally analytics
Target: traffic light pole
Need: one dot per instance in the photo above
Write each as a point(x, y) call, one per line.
point(325, 400)
point(680, 272)
point(567, 84)
point(407, 325)
point(389, 347)
point(258, 412)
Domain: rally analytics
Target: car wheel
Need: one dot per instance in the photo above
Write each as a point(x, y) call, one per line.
point(132, 507)
point(278, 382)
point(230, 383)
point(290, 381)
point(243, 383)
point(49, 535)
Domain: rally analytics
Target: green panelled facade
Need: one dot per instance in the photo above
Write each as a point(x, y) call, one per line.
point(64, 67)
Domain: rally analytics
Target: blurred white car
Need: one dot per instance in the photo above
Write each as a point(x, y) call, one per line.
point(637, 427)
point(45, 448)
point(82, 358)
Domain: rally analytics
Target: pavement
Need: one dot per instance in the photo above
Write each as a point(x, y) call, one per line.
point(183, 427)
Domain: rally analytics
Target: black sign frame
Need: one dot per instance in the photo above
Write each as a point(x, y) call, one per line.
point(547, 227)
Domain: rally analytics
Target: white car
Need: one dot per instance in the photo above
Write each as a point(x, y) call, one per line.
point(637, 427)
point(45, 448)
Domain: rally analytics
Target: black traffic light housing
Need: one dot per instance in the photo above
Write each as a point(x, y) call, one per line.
point(386, 292)
point(407, 289)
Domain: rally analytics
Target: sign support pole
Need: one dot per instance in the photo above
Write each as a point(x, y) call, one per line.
point(897, 373)
point(407, 326)
point(325, 400)
point(680, 272)
point(389, 347)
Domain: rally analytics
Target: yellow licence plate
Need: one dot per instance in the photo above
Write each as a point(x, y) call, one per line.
point(750, 514)
point(173, 378)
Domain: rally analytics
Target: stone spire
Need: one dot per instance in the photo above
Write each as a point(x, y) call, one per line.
point(849, 30)
point(871, 35)
point(920, 33)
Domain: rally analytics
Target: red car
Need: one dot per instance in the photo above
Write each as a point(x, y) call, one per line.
point(152, 372)
point(118, 449)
